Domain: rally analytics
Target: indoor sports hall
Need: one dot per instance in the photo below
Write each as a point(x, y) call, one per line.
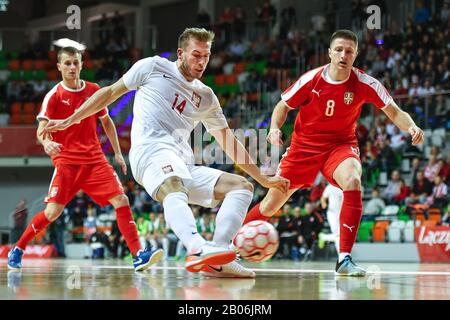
point(261, 48)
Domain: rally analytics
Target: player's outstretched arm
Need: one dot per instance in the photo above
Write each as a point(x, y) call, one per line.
point(279, 116)
point(404, 121)
point(51, 147)
point(111, 133)
point(101, 98)
point(236, 151)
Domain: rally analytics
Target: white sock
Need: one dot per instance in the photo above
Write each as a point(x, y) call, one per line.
point(181, 220)
point(231, 215)
point(342, 255)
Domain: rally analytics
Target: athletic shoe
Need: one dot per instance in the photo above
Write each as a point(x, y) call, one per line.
point(229, 270)
point(348, 268)
point(15, 258)
point(146, 258)
point(209, 254)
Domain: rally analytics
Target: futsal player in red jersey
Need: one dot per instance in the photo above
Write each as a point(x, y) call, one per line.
point(80, 163)
point(329, 101)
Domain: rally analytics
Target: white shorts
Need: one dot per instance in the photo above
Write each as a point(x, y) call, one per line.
point(198, 180)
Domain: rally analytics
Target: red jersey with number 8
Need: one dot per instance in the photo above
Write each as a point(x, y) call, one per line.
point(328, 109)
point(80, 143)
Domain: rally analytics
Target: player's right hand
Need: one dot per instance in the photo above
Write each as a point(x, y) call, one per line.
point(53, 126)
point(52, 148)
point(274, 137)
point(277, 182)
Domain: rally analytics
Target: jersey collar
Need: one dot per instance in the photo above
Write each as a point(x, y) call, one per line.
point(74, 90)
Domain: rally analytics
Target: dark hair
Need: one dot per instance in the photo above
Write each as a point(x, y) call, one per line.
point(69, 51)
point(344, 34)
point(200, 34)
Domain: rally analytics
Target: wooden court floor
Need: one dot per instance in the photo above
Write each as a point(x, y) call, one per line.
point(67, 279)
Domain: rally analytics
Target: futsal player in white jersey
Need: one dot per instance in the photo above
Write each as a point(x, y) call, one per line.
point(169, 102)
point(331, 199)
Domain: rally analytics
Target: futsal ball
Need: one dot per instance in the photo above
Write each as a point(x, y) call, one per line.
point(257, 241)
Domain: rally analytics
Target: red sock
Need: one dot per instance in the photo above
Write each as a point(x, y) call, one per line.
point(255, 214)
point(127, 227)
point(350, 218)
point(37, 224)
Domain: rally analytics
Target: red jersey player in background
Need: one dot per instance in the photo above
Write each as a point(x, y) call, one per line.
point(329, 100)
point(80, 163)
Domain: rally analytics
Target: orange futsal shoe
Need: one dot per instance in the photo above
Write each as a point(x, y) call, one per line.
point(209, 254)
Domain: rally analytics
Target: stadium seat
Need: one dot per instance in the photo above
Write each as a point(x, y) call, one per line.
point(40, 65)
point(260, 67)
point(28, 75)
point(365, 231)
point(434, 214)
point(15, 75)
point(29, 108)
point(52, 55)
point(395, 231)
point(40, 75)
point(239, 68)
point(16, 108)
point(208, 80)
point(29, 119)
point(88, 75)
point(429, 223)
point(27, 64)
point(15, 119)
point(88, 64)
point(408, 231)
point(219, 80)
point(391, 210)
point(14, 55)
point(14, 65)
point(379, 231)
point(230, 79)
point(3, 64)
point(53, 75)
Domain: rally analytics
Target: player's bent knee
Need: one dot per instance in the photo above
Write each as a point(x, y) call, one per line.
point(119, 201)
point(53, 212)
point(352, 183)
point(170, 185)
point(246, 186)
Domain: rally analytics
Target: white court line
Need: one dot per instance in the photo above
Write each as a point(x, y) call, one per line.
point(420, 273)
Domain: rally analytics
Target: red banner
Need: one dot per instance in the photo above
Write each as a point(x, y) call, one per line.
point(433, 243)
point(32, 251)
point(19, 141)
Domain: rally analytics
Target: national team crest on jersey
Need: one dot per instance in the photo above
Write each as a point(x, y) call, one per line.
point(167, 169)
point(53, 192)
point(348, 97)
point(196, 99)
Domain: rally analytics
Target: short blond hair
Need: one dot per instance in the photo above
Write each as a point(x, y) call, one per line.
point(200, 34)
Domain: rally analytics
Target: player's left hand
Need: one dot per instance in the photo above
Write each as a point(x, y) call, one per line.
point(121, 161)
point(417, 135)
point(53, 126)
point(277, 182)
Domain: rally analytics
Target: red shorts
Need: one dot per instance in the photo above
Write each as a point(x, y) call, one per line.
point(301, 167)
point(98, 180)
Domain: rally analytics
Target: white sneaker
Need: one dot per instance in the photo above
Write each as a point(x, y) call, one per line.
point(230, 270)
point(209, 254)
